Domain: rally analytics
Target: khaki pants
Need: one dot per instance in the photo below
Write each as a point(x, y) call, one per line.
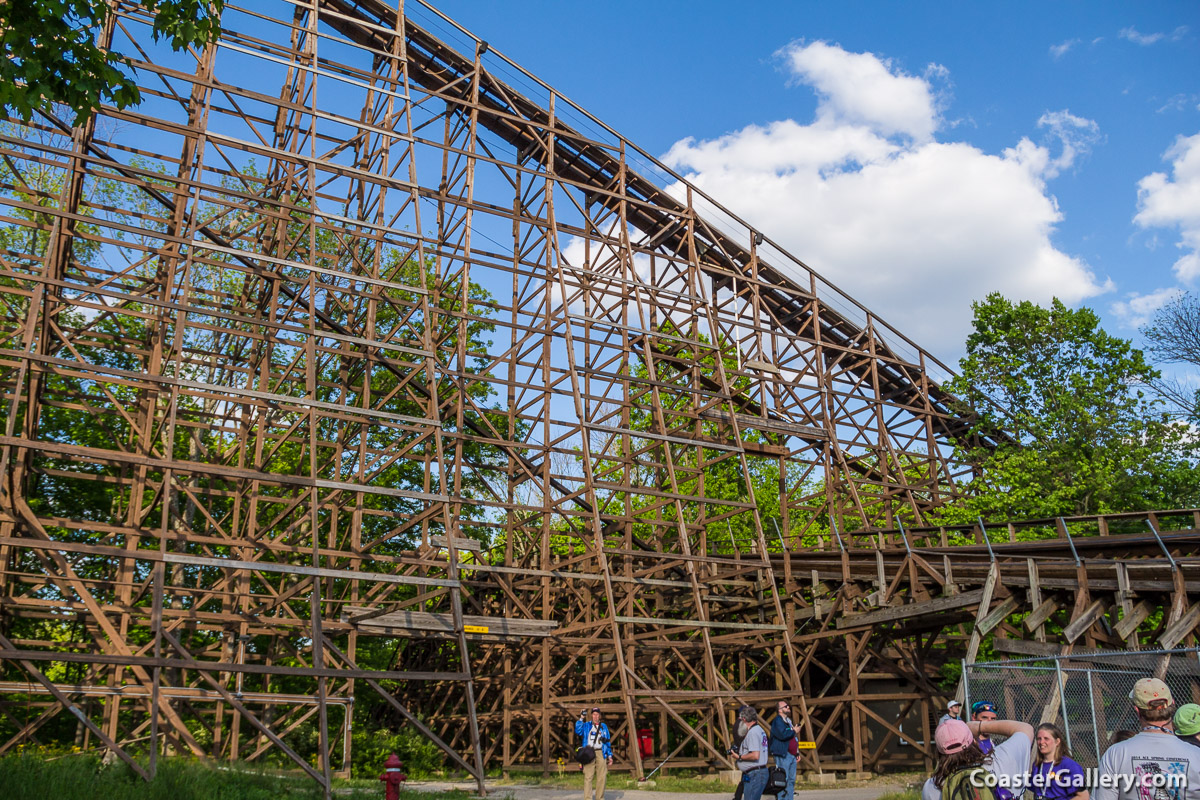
point(598, 771)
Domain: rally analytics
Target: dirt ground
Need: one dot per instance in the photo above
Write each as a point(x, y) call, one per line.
point(869, 791)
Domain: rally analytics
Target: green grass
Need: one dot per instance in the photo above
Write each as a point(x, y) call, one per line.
point(687, 782)
point(908, 794)
point(84, 777)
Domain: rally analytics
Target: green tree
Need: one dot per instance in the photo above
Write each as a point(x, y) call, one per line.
point(51, 54)
point(1086, 436)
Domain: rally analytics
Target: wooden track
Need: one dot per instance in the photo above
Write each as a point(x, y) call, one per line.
point(355, 338)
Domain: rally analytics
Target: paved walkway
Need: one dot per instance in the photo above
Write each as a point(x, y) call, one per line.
point(518, 792)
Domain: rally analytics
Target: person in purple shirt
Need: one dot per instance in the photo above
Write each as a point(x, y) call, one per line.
point(1055, 775)
point(983, 711)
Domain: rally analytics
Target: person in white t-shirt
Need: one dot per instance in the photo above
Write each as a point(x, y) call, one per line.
point(751, 755)
point(1154, 764)
point(1008, 762)
point(953, 711)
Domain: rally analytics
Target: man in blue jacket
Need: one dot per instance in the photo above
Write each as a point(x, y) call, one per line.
point(594, 734)
point(783, 733)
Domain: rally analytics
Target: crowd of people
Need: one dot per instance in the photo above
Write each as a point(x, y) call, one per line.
point(754, 744)
point(1158, 761)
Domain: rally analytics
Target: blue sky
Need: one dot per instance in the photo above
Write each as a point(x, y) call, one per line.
point(917, 154)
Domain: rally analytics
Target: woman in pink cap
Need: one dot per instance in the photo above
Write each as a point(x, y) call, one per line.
point(1005, 769)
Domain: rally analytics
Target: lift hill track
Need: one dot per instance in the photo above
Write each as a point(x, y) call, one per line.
point(354, 332)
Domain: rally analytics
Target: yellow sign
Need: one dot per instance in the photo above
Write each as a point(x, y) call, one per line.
point(475, 628)
point(806, 745)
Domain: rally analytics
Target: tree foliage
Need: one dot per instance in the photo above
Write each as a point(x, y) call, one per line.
point(1088, 438)
point(51, 54)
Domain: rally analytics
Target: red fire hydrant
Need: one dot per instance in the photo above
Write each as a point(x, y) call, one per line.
point(392, 777)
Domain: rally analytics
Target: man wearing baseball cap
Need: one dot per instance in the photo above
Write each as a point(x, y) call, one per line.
point(1154, 763)
point(595, 735)
point(1187, 723)
point(983, 711)
point(953, 709)
point(962, 762)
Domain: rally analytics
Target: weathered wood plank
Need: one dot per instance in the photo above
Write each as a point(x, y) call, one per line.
point(696, 623)
point(1040, 614)
point(460, 543)
point(369, 620)
point(998, 614)
point(989, 586)
point(1175, 632)
point(1130, 622)
point(1086, 618)
point(912, 609)
point(1022, 647)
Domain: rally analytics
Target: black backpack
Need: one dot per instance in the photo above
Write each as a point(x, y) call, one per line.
point(776, 781)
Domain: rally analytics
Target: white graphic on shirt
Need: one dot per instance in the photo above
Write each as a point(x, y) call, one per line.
point(1160, 778)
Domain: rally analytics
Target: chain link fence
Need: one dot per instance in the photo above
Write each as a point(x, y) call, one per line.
point(1086, 695)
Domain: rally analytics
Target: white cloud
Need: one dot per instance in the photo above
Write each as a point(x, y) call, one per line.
point(1146, 39)
point(1140, 38)
point(1057, 51)
point(859, 88)
point(1137, 309)
point(602, 253)
point(1180, 102)
point(1076, 134)
point(1174, 202)
point(914, 228)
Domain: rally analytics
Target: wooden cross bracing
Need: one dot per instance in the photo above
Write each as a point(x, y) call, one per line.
point(353, 332)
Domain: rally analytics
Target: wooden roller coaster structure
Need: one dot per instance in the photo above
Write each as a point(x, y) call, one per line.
point(357, 361)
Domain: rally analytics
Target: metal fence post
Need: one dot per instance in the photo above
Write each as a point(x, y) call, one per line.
point(1062, 700)
point(1092, 706)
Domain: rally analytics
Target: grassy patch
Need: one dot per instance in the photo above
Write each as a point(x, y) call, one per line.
point(84, 777)
point(907, 794)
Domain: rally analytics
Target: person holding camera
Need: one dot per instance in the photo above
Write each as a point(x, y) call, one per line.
point(784, 746)
point(595, 737)
point(751, 756)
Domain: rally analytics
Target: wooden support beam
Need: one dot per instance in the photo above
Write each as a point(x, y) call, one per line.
point(1132, 619)
point(937, 605)
point(989, 586)
point(460, 543)
point(998, 614)
point(1040, 614)
point(392, 622)
point(1078, 626)
point(1022, 647)
point(1176, 631)
point(1035, 599)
